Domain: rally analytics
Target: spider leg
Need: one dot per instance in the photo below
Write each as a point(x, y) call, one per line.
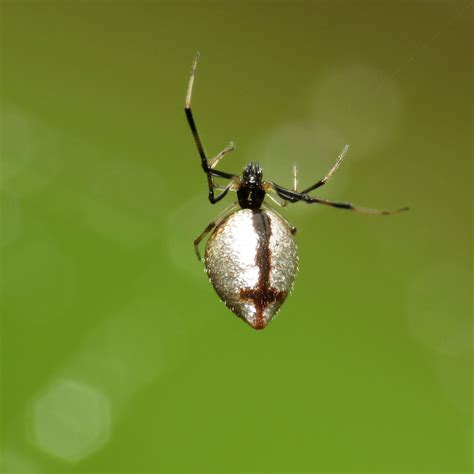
point(223, 192)
point(208, 168)
point(214, 161)
point(234, 186)
point(277, 201)
point(362, 210)
point(270, 191)
point(321, 182)
point(292, 196)
point(227, 211)
point(295, 178)
point(295, 187)
point(272, 194)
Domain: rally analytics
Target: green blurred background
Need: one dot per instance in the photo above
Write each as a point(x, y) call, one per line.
point(117, 355)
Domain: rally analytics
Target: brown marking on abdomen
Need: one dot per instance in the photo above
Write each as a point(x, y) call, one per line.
point(263, 294)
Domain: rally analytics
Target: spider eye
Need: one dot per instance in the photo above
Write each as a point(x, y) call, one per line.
point(252, 173)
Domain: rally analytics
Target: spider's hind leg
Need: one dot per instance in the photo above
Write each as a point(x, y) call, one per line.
point(227, 211)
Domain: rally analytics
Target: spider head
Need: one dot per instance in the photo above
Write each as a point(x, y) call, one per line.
point(252, 175)
point(251, 192)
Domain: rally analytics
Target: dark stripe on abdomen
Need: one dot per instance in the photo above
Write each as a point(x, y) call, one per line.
point(263, 294)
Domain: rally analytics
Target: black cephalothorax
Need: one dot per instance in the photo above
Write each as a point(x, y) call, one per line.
point(250, 192)
point(251, 189)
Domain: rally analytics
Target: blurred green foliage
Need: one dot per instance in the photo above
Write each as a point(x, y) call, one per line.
point(117, 355)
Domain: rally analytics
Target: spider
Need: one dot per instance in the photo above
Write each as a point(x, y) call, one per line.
point(251, 255)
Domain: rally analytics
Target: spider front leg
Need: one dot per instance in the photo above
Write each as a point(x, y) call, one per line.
point(272, 194)
point(213, 163)
point(295, 178)
point(295, 196)
point(292, 196)
point(206, 166)
point(323, 181)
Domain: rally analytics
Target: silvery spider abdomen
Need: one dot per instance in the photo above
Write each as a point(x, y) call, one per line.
point(251, 260)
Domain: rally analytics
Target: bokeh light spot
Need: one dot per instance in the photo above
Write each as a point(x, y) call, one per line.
point(31, 151)
point(362, 103)
point(455, 377)
point(15, 462)
point(71, 420)
point(51, 294)
point(121, 201)
point(10, 218)
point(438, 307)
